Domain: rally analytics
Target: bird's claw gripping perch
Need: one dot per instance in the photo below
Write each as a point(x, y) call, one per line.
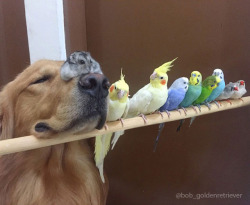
point(194, 109)
point(158, 112)
point(144, 118)
point(208, 105)
point(184, 110)
point(229, 102)
point(122, 122)
point(168, 113)
point(106, 127)
point(178, 111)
point(216, 103)
point(199, 107)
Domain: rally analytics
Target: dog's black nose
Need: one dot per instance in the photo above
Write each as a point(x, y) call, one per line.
point(95, 84)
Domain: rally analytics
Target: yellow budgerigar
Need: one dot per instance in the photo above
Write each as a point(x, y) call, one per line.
point(117, 109)
point(153, 95)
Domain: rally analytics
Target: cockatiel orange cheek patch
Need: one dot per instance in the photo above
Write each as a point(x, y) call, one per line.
point(163, 82)
point(111, 88)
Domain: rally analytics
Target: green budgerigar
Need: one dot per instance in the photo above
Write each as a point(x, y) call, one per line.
point(208, 85)
point(117, 109)
point(194, 91)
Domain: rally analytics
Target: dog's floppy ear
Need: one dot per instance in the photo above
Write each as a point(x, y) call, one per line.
point(6, 118)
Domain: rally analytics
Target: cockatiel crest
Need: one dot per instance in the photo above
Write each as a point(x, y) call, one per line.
point(159, 77)
point(119, 90)
point(195, 78)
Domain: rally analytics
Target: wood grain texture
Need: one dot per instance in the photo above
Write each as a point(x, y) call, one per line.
point(31, 142)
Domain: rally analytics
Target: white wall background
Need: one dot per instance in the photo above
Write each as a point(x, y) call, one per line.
point(45, 27)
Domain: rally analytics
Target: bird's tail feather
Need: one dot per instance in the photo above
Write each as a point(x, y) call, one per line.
point(100, 167)
point(180, 125)
point(116, 137)
point(102, 145)
point(161, 126)
point(191, 121)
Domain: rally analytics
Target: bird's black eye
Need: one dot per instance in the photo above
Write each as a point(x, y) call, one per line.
point(115, 87)
point(82, 62)
point(199, 75)
point(41, 80)
point(161, 78)
point(90, 61)
point(184, 82)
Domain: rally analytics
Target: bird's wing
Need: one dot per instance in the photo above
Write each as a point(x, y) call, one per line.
point(140, 101)
point(121, 132)
point(126, 109)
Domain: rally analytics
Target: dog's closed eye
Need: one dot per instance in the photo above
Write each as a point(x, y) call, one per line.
point(41, 80)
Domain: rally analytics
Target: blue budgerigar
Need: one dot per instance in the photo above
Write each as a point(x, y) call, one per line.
point(221, 85)
point(176, 94)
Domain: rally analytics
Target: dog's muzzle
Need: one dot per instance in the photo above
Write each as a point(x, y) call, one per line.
point(96, 85)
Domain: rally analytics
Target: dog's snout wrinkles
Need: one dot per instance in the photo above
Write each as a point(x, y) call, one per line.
point(95, 84)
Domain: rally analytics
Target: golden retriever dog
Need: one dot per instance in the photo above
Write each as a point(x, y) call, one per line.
point(50, 97)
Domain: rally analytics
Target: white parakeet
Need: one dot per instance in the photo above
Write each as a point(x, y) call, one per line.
point(153, 95)
point(117, 109)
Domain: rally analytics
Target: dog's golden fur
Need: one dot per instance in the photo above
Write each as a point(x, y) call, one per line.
point(58, 175)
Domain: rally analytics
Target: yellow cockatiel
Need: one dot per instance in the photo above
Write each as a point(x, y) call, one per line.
point(153, 95)
point(117, 109)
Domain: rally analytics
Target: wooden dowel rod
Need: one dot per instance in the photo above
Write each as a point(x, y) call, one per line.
point(31, 142)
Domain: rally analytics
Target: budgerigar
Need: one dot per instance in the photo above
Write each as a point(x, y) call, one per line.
point(193, 92)
point(242, 90)
point(176, 94)
point(153, 95)
point(219, 89)
point(117, 109)
point(208, 85)
point(228, 91)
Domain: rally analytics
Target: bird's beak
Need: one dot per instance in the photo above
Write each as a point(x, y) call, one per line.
point(120, 94)
point(241, 82)
point(218, 79)
point(153, 76)
point(236, 88)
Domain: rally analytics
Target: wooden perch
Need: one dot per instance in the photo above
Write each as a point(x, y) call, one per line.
point(31, 142)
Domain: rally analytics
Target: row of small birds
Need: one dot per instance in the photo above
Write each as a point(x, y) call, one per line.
point(156, 97)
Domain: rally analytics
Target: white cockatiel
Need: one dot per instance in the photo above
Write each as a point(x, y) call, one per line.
point(117, 109)
point(153, 95)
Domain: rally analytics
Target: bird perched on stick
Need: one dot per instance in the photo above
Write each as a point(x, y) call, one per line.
point(208, 85)
point(228, 91)
point(176, 94)
point(153, 95)
point(219, 89)
point(193, 92)
point(117, 109)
